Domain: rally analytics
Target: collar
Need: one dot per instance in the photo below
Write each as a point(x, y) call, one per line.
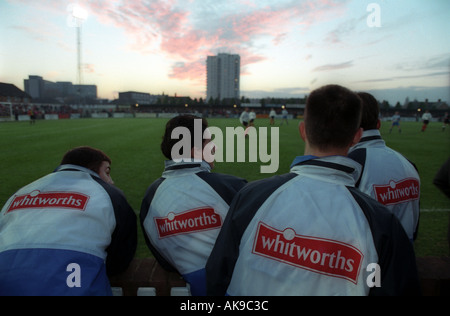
point(336, 169)
point(300, 159)
point(373, 134)
point(76, 168)
point(185, 167)
point(371, 137)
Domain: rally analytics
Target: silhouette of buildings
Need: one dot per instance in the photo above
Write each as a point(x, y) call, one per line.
point(40, 89)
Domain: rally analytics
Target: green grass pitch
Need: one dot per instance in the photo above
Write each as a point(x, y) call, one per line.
point(29, 152)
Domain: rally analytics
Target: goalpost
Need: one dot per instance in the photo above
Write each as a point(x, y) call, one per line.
point(6, 112)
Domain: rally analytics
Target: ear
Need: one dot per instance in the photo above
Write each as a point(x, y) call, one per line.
point(357, 137)
point(197, 154)
point(378, 124)
point(302, 130)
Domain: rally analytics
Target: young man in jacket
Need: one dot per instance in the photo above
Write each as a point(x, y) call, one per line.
point(311, 232)
point(387, 176)
point(65, 233)
point(183, 211)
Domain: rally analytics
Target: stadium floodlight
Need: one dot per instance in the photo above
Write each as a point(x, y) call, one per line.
point(78, 15)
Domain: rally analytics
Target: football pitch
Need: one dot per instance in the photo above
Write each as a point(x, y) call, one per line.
point(29, 152)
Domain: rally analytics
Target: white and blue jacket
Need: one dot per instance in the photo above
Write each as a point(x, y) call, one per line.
point(64, 234)
point(182, 214)
point(389, 178)
point(310, 232)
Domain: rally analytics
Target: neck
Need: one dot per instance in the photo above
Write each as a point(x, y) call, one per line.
point(314, 151)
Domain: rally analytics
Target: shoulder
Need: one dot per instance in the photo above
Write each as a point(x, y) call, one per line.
point(256, 193)
point(225, 185)
point(112, 191)
point(359, 155)
point(154, 186)
point(116, 195)
point(149, 195)
point(211, 177)
point(271, 183)
point(381, 220)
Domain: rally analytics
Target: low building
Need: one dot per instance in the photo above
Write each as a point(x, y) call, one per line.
point(10, 93)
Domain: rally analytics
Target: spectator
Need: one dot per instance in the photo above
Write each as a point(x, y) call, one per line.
point(387, 176)
point(65, 233)
point(442, 178)
point(311, 232)
point(442, 181)
point(183, 211)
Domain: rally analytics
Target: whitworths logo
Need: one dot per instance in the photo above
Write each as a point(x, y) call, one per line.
point(324, 256)
point(191, 221)
point(61, 200)
point(214, 151)
point(398, 192)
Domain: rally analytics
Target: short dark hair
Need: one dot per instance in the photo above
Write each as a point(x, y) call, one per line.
point(370, 111)
point(333, 116)
point(86, 157)
point(180, 121)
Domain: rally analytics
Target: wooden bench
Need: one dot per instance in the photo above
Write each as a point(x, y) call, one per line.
point(147, 277)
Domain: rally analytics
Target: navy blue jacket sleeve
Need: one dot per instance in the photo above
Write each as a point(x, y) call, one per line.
point(396, 257)
point(124, 238)
point(226, 186)
point(442, 179)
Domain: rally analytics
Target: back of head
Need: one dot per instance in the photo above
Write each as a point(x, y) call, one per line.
point(332, 117)
point(86, 157)
point(371, 111)
point(187, 121)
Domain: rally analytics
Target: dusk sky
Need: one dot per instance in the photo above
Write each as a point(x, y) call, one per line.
point(287, 47)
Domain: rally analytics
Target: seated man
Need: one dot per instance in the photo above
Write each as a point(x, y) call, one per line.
point(387, 176)
point(311, 232)
point(65, 233)
point(183, 211)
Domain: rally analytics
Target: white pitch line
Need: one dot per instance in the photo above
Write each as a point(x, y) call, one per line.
point(435, 210)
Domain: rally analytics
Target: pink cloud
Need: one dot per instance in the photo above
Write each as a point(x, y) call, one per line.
point(170, 27)
point(188, 46)
point(262, 22)
point(189, 71)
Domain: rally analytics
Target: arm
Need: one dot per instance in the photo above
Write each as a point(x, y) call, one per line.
point(124, 240)
point(396, 256)
point(442, 179)
point(123, 244)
